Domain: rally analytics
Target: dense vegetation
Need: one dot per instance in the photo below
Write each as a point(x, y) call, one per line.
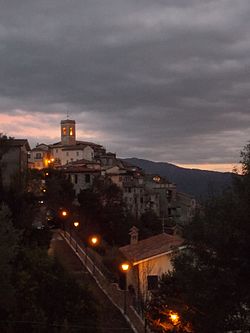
point(208, 290)
point(36, 294)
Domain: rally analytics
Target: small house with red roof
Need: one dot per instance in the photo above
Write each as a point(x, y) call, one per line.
point(149, 259)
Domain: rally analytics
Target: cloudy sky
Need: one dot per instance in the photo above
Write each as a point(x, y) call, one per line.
point(166, 80)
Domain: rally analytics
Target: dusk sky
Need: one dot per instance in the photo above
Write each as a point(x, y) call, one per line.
point(165, 80)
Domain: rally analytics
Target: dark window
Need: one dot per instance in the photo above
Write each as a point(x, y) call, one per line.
point(152, 282)
point(87, 178)
point(76, 179)
point(38, 156)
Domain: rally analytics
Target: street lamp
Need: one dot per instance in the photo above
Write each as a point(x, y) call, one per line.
point(94, 241)
point(64, 214)
point(76, 225)
point(125, 267)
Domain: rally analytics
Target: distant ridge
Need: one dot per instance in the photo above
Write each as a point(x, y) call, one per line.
point(199, 183)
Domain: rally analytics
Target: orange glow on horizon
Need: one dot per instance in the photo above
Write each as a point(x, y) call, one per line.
point(221, 167)
point(22, 124)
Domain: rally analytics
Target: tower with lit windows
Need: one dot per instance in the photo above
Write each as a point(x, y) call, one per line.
point(68, 132)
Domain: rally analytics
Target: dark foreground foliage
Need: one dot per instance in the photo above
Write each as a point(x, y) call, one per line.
point(36, 294)
point(209, 287)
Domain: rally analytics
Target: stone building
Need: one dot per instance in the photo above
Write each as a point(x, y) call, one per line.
point(14, 161)
point(39, 157)
point(65, 151)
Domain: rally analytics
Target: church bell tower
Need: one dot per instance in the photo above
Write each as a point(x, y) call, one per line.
point(68, 132)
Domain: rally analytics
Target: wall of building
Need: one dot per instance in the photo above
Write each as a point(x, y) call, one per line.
point(65, 156)
point(81, 181)
point(39, 159)
point(138, 275)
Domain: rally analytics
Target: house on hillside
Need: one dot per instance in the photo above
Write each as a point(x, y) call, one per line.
point(187, 205)
point(149, 259)
point(14, 160)
point(82, 175)
point(39, 157)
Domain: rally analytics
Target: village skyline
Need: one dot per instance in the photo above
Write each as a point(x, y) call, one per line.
point(163, 81)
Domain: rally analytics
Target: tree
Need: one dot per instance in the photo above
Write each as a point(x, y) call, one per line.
point(209, 285)
point(4, 148)
point(102, 210)
point(46, 294)
point(149, 224)
point(8, 248)
point(59, 190)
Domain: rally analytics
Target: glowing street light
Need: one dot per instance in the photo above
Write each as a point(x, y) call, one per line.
point(76, 224)
point(174, 317)
point(94, 240)
point(64, 214)
point(125, 267)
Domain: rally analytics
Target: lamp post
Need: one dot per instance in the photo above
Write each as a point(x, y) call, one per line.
point(76, 225)
point(125, 267)
point(64, 214)
point(94, 241)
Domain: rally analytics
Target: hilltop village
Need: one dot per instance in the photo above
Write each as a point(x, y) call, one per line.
point(84, 161)
point(131, 232)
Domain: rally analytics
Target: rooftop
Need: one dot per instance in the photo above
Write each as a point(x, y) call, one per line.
point(150, 247)
point(16, 143)
point(77, 145)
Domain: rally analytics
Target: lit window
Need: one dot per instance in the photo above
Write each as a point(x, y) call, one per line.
point(157, 179)
point(71, 131)
point(64, 131)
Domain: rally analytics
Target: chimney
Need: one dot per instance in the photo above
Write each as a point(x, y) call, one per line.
point(133, 235)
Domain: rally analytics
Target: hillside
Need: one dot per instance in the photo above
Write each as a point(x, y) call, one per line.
point(199, 183)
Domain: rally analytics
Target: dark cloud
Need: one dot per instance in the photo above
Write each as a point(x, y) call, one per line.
point(166, 80)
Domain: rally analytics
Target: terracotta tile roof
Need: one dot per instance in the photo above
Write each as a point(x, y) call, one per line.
point(150, 247)
point(80, 169)
point(40, 149)
point(83, 143)
point(83, 161)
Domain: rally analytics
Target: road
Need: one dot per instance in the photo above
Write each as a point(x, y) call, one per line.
point(110, 318)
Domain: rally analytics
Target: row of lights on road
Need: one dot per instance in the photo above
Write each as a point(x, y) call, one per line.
point(94, 241)
point(124, 267)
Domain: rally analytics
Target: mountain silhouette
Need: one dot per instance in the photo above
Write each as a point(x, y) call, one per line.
point(199, 183)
